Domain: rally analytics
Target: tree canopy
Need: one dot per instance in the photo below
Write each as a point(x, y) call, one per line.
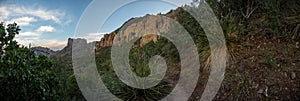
point(24, 75)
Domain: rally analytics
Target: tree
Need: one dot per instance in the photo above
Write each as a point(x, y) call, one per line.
point(23, 75)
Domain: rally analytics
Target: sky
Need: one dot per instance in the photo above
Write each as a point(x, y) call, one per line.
point(49, 23)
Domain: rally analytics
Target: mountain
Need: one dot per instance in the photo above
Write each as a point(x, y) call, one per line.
point(149, 24)
point(263, 62)
point(67, 50)
point(43, 51)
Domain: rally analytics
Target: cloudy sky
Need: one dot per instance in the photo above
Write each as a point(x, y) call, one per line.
point(50, 23)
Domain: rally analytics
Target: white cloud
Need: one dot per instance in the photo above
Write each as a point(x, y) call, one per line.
point(54, 44)
point(45, 29)
point(28, 34)
point(9, 11)
point(54, 15)
point(22, 21)
point(37, 32)
point(26, 40)
point(90, 37)
point(4, 13)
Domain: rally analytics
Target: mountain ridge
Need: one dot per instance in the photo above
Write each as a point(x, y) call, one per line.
point(153, 24)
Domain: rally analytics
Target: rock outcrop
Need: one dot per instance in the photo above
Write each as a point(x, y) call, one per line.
point(107, 40)
point(67, 50)
point(149, 24)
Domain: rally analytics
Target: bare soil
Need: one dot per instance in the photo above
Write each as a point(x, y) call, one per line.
point(260, 68)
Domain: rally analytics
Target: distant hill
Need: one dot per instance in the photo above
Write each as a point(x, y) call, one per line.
point(43, 51)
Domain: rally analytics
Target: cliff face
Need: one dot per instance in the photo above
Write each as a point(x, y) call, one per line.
point(149, 24)
point(107, 40)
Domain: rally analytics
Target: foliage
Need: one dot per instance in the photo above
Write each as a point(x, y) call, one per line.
point(270, 14)
point(237, 19)
point(24, 76)
point(69, 89)
point(139, 58)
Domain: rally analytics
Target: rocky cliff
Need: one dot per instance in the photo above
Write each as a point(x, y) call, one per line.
point(149, 24)
point(107, 40)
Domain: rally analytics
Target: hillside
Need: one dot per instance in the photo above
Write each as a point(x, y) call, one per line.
point(264, 53)
point(43, 51)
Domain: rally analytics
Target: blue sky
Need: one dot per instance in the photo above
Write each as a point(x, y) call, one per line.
point(50, 23)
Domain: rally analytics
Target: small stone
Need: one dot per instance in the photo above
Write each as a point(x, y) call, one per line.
point(286, 74)
point(263, 89)
point(266, 91)
point(260, 91)
point(241, 69)
point(293, 75)
point(256, 86)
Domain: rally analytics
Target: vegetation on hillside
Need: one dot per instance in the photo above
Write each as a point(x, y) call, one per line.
point(261, 36)
point(239, 20)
